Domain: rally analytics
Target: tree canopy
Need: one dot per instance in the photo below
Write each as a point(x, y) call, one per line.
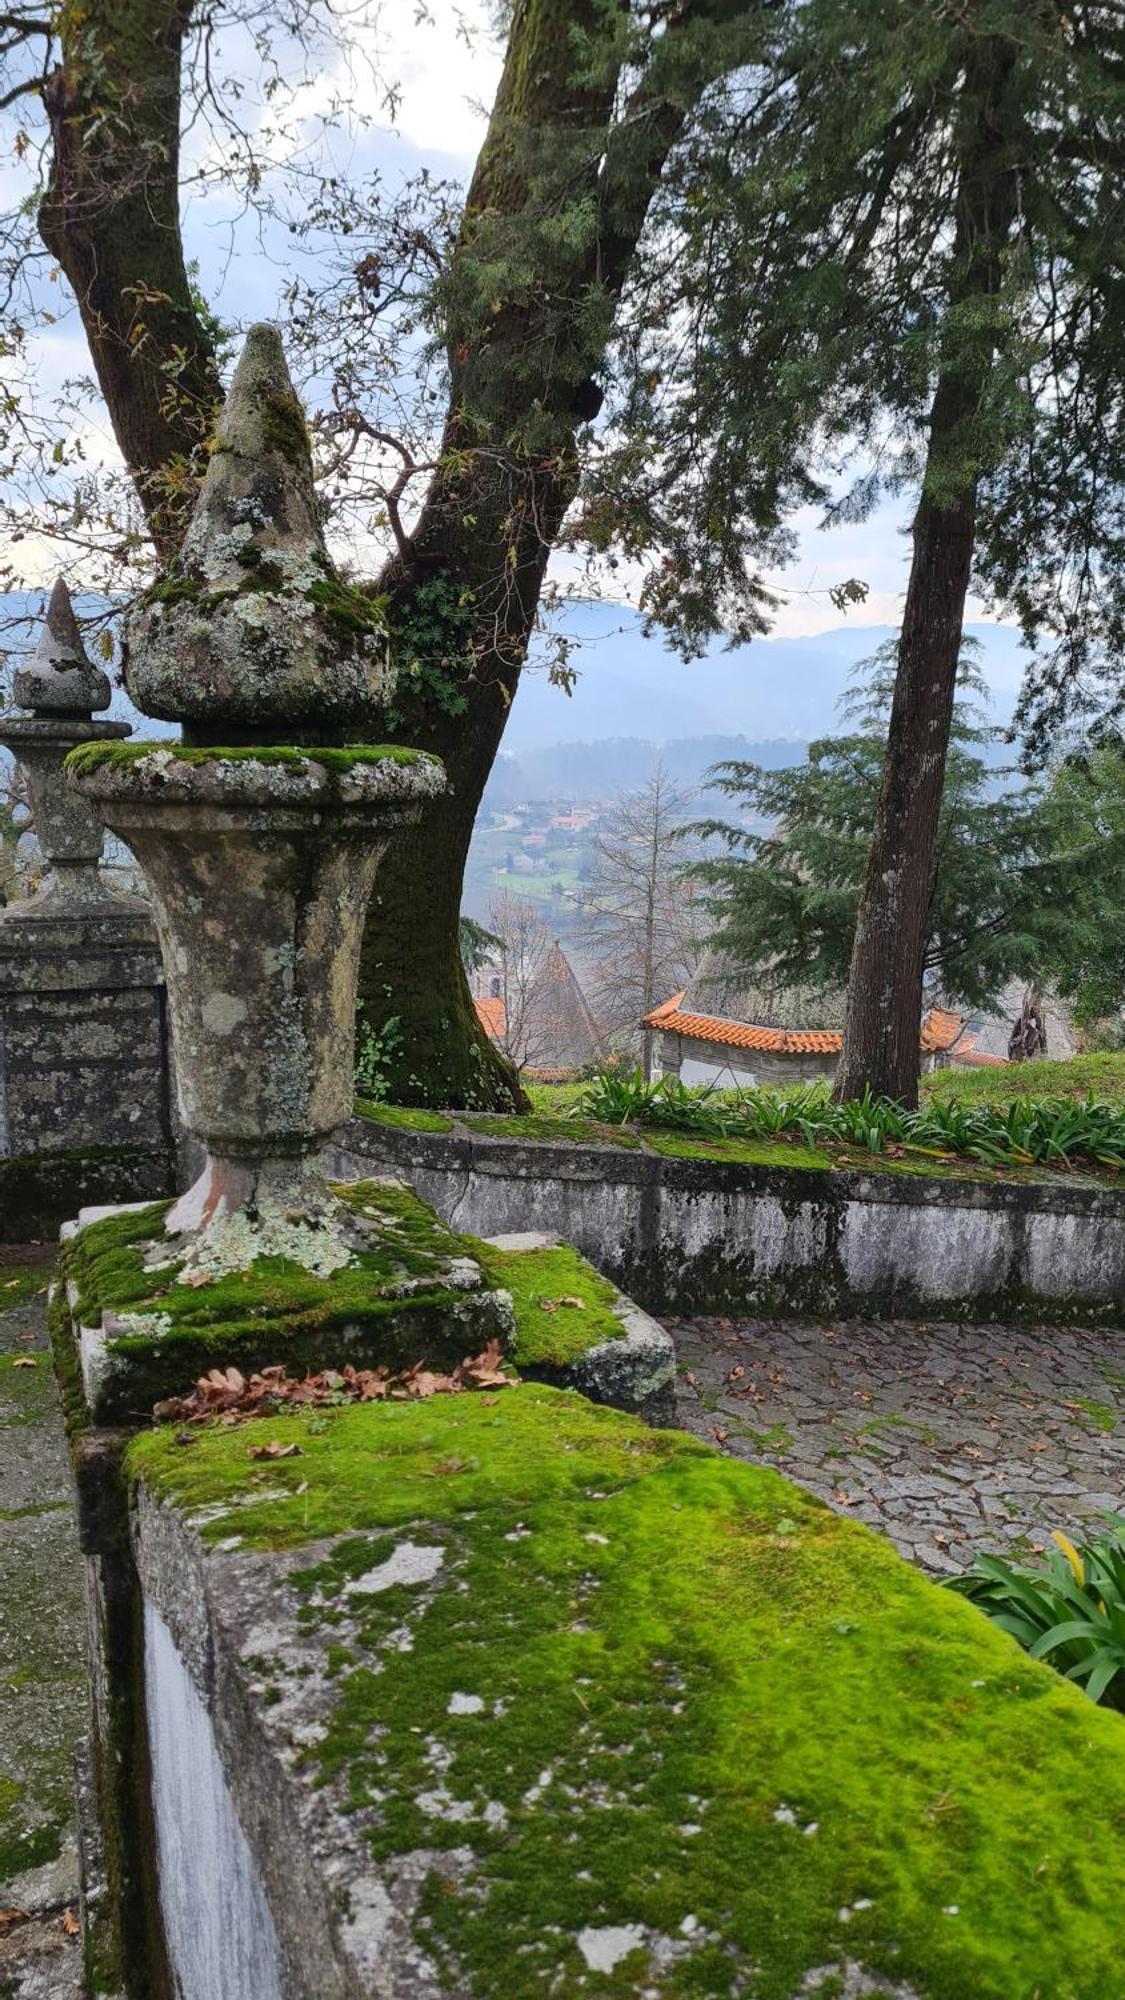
point(1002, 902)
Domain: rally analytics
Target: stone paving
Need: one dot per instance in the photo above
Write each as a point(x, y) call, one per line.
point(42, 1670)
point(950, 1439)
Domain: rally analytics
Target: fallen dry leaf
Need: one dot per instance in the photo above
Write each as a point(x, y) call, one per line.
point(70, 1923)
point(10, 1918)
point(24, 1361)
point(226, 1395)
point(274, 1450)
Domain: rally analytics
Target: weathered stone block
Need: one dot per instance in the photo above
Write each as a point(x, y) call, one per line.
point(145, 1323)
point(84, 1056)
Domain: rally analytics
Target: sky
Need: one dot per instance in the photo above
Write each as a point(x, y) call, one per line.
point(442, 61)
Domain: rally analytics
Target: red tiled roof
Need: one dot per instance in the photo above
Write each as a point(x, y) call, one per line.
point(741, 1034)
point(493, 1018)
point(940, 1030)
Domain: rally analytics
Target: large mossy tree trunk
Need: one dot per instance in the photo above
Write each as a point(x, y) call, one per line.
point(111, 216)
point(881, 1032)
point(521, 385)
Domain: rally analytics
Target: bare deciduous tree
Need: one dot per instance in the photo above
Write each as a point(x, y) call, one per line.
point(644, 921)
point(525, 944)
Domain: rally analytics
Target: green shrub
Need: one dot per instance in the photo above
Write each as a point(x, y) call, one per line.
point(1025, 1132)
point(1070, 1613)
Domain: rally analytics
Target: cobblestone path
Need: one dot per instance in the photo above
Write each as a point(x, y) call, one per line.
point(950, 1439)
point(42, 1671)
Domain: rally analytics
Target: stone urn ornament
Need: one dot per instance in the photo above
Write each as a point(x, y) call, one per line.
point(61, 691)
point(261, 834)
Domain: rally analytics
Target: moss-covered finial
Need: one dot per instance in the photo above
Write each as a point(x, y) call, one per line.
point(59, 678)
point(252, 634)
point(260, 476)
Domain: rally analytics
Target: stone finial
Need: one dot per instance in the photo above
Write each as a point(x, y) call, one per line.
point(59, 678)
point(252, 635)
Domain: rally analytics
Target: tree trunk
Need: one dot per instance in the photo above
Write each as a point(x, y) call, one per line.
point(111, 217)
point(881, 1050)
point(411, 972)
point(494, 508)
point(881, 1032)
point(493, 512)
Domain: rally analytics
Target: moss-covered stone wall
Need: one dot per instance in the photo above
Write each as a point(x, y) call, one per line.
point(683, 1228)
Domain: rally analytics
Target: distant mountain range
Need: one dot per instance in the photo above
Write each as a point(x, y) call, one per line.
point(634, 701)
point(631, 686)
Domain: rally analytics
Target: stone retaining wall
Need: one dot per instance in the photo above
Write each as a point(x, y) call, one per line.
point(693, 1235)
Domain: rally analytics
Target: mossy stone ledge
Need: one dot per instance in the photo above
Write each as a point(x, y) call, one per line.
point(140, 1324)
point(143, 1324)
point(532, 1699)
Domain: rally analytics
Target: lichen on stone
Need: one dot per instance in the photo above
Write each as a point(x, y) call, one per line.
point(252, 626)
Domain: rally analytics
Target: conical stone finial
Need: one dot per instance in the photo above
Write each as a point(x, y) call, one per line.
point(252, 636)
point(59, 679)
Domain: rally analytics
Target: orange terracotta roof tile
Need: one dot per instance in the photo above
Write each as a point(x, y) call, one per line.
point(742, 1035)
point(492, 1017)
point(939, 1031)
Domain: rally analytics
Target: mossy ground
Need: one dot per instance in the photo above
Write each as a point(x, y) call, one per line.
point(19, 1282)
point(42, 1683)
point(1098, 1076)
point(711, 1708)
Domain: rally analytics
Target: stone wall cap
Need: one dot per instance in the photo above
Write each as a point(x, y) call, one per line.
point(28, 729)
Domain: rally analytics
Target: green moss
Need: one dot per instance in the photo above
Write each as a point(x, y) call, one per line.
point(743, 1152)
point(276, 1312)
point(689, 1654)
point(27, 1395)
point(402, 1117)
point(392, 1304)
point(558, 1334)
point(572, 1131)
point(284, 429)
point(19, 1282)
point(90, 757)
point(1103, 1416)
point(778, 1152)
point(353, 614)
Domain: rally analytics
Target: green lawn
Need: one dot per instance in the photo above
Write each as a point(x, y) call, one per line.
point(1100, 1076)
